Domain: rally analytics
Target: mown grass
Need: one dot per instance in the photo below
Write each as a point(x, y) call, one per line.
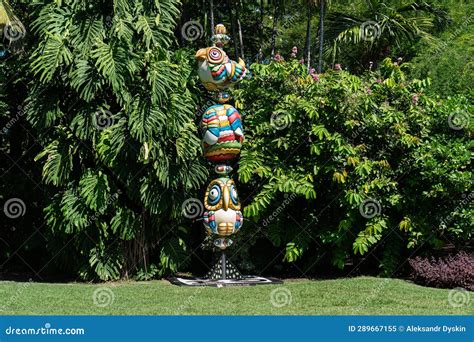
point(350, 296)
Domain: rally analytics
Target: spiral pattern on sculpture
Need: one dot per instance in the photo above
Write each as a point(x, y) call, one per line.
point(216, 56)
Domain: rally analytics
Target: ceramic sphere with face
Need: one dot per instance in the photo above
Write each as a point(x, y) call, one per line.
point(222, 216)
point(216, 70)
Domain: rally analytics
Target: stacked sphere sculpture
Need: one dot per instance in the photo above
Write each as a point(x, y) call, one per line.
point(222, 137)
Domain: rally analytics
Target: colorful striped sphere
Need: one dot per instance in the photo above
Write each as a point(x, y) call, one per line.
point(222, 133)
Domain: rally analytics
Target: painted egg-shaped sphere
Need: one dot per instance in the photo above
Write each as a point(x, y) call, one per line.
point(222, 133)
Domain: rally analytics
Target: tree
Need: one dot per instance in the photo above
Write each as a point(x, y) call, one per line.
point(310, 5)
point(233, 28)
point(321, 34)
point(239, 29)
point(7, 15)
point(211, 10)
point(446, 63)
point(276, 13)
point(382, 26)
point(307, 47)
point(109, 103)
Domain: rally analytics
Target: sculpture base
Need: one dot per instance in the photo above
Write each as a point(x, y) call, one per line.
point(224, 270)
point(244, 281)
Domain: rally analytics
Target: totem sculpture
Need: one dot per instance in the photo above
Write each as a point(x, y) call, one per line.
point(222, 135)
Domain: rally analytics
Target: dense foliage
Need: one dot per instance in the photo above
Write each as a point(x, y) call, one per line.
point(364, 165)
point(109, 103)
point(378, 166)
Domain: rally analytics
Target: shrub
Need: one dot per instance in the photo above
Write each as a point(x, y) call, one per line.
point(448, 272)
point(378, 166)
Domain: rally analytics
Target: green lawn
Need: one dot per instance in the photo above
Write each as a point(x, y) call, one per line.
point(354, 296)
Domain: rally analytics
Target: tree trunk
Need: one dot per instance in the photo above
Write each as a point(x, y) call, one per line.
point(276, 12)
point(261, 26)
point(239, 27)
point(321, 35)
point(234, 32)
point(307, 47)
point(211, 5)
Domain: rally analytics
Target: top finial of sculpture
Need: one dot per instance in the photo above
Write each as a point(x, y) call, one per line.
point(220, 37)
